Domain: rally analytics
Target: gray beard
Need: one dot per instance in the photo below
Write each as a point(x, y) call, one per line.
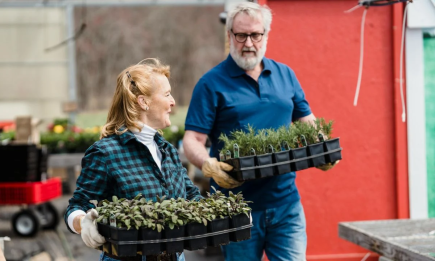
point(247, 63)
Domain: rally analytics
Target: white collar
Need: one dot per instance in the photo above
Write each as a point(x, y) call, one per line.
point(146, 135)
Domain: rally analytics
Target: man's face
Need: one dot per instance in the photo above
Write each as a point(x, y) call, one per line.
point(249, 54)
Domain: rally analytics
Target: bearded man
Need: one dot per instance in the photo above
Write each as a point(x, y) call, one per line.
point(248, 88)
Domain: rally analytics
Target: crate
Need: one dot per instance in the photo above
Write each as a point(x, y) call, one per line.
point(12, 193)
point(19, 163)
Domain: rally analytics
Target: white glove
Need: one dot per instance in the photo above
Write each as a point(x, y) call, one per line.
point(89, 231)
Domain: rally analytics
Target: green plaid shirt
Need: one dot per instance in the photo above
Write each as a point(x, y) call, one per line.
point(121, 165)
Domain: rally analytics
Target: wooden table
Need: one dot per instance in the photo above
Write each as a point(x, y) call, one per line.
point(410, 240)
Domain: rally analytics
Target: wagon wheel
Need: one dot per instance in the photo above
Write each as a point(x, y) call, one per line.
point(50, 214)
point(25, 223)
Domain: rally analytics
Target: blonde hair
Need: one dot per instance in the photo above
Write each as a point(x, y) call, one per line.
point(133, 81)
point(253, 10)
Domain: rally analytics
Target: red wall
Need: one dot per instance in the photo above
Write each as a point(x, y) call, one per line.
point(321, 44)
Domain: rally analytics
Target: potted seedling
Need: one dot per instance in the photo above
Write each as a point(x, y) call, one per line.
point(299, 146)
point(325, 129)
point(239, 212)
point(281, 157)
point(175, 218)
point(152, 226)
point(104, 209)
point(264, 153)
point(314, 145)
point(218, 215)
point(196, 225)
point(238, 153)
point(124, 226)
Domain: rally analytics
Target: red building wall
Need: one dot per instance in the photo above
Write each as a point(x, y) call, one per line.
point(321, 44)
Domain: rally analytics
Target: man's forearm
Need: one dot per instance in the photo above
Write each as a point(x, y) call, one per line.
point(195, 152)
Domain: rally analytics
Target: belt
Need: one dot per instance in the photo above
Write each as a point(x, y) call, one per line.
point(161, 257)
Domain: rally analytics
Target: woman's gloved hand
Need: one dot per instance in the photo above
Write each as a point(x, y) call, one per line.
point(89, 231)
point(212, 168)
point(328, 166)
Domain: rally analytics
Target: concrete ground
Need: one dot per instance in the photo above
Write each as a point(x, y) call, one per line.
point(60, 244)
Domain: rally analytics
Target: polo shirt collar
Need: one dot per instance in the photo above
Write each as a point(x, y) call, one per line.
point(234, 70)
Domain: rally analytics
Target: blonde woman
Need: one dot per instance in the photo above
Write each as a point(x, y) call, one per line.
point(131, 157)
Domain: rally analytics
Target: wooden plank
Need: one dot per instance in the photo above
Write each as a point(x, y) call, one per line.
point(396, 240)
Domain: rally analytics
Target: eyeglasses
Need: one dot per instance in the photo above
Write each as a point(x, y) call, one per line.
point(242, 37)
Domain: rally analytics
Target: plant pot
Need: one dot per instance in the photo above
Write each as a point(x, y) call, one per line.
point(149, 234)
point(238, 164)
point(265, 159)
point(332, 145)
point(174, 246)
point(195, 229)
point(122, 234)
point(299, 154)
point(104, 230)
point(238, 221)
point(215, 226)
point(279, 157)
point(315, 149)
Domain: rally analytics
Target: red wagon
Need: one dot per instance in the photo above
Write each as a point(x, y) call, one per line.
point(38, 212)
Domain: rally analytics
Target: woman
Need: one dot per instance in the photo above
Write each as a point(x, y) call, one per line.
point(131, 157)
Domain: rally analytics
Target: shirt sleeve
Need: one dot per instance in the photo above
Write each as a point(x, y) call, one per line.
point(202, 109)
point(91, 184)
point(71, 217)
point(301, 106)
point(192, 191)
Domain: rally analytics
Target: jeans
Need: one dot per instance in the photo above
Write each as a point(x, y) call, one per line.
point(278, 231)
point(106, 258)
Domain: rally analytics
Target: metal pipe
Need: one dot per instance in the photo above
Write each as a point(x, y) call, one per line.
point(72, 90)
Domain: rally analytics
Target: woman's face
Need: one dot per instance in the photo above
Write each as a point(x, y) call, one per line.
point(160, 104)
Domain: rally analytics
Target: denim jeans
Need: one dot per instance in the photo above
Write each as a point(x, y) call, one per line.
point(278, 231)
point(106, 258)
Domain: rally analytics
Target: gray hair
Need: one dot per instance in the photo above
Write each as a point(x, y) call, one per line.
point(253, 10)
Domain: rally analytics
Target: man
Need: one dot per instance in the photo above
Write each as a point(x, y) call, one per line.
point(248, 88)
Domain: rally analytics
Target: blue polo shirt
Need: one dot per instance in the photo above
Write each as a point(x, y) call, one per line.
point(227, 99)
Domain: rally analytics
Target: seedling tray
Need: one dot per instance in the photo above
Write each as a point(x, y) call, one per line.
point(297, 159)
point(138, 244)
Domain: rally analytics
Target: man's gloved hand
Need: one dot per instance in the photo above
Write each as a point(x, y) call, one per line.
point(328, 166)
point(89, 231)
point(216, 170)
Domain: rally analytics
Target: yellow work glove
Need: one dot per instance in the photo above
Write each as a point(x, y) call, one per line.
point(328, 166)
point(214, 169)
